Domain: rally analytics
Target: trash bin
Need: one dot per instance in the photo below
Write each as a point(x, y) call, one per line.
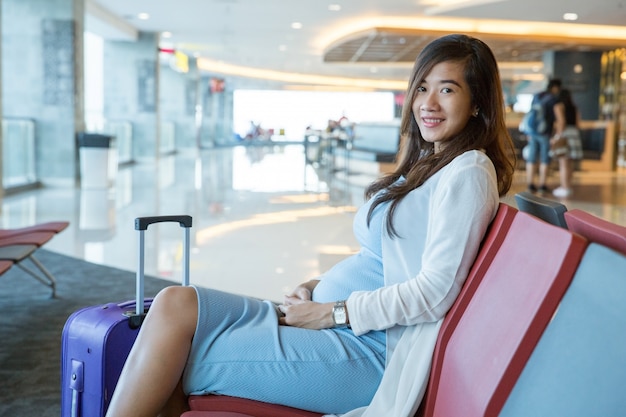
point(98, 160)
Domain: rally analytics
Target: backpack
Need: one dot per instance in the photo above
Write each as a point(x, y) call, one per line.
point(534, 122)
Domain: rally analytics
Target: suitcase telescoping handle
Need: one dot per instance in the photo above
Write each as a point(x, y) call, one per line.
point(141, 224)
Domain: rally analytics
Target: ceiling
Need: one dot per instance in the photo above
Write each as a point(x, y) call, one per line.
point(366, 41)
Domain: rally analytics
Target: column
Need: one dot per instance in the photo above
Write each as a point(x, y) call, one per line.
point(42, 79)
point(131, 90)
point(179, 86)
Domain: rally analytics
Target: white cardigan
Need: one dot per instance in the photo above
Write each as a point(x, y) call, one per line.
point(441, 225)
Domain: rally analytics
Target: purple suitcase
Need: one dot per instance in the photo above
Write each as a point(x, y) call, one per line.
point(97, 339)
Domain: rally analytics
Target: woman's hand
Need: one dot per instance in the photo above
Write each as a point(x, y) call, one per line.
point(303, 292)
point(306, 314)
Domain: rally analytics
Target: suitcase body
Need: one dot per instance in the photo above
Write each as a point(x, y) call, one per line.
point(96, 340)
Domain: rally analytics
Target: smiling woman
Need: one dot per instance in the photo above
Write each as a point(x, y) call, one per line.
point(419, 233)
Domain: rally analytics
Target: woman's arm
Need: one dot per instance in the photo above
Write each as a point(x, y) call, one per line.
point(559, 118)
point(460, 211)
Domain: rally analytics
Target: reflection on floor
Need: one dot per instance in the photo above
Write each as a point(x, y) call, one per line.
point(264, 220)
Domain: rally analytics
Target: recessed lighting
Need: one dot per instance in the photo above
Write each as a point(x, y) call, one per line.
point(296, 25)
point(570, 16)
point(282, 48)
point(334, 7)
point(143, 16)
point(166, 34)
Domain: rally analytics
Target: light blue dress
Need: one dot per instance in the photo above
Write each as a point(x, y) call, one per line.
point(239, 350)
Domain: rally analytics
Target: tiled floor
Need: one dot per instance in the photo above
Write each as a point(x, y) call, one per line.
point(264, 221)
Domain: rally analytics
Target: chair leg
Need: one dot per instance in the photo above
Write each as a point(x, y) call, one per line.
point(47, 280)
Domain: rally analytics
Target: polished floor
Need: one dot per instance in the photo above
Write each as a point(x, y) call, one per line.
point(264, 220)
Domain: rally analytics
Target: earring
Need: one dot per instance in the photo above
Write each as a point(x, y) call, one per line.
point(475, 114)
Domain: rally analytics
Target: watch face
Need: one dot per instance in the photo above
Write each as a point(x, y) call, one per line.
point(339, 315)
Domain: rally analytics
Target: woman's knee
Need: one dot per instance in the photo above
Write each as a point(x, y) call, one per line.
point(178, 304)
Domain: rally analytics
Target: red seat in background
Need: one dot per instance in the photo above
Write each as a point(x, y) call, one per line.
point(597, 230)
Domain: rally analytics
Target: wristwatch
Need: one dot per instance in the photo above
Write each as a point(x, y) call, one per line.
point(340, 315)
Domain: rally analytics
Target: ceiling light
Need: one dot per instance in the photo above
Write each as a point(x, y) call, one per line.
point(143, 16)
point(296, 25)
point(166, 34)
point(334, 7)
point(570, 16)
point(282, 48)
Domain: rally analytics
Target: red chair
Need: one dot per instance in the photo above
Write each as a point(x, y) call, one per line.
point(212, 405)
point(213, 414)
point(19, 244)
point(597, 230)
point(489, 248)
point(55, 227)
point(489, 335)
point(37, 234)
point(578, 368)
point(218, 405)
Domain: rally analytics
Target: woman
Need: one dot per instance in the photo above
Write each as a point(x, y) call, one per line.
point(566, 127)
point(325, 348)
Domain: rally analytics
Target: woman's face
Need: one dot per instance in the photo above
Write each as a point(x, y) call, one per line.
point(443, 104)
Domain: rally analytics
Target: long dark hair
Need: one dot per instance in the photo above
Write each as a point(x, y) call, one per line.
point(416, 160)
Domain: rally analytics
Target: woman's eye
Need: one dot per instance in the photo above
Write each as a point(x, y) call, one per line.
point(421, 89)
point(446, 90)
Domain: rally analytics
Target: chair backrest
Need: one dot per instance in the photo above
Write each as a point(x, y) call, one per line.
point(547, 210)
point(492, 241)
point(598, 230)
point(490, 342)
point(578, 368)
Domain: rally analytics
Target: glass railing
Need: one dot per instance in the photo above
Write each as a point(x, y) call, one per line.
point(18, 153)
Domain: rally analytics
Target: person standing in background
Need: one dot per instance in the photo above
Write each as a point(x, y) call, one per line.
point(566, 126)
point(539, 141)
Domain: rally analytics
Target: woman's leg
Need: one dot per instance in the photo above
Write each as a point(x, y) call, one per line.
point(543, 175)
point(150, 380)
point(570, 172)
point(563, 171)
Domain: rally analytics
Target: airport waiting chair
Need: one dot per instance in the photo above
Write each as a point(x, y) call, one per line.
point(489, 248)
point(55, 227)
point(221, 406)
point(578, 368)
point(597, 230)
point(16, 255)
point(17, 245)
point(484, 346)
point(212, 405)
point(547, 210)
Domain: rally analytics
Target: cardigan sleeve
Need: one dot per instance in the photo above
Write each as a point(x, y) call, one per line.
point(461, 207)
